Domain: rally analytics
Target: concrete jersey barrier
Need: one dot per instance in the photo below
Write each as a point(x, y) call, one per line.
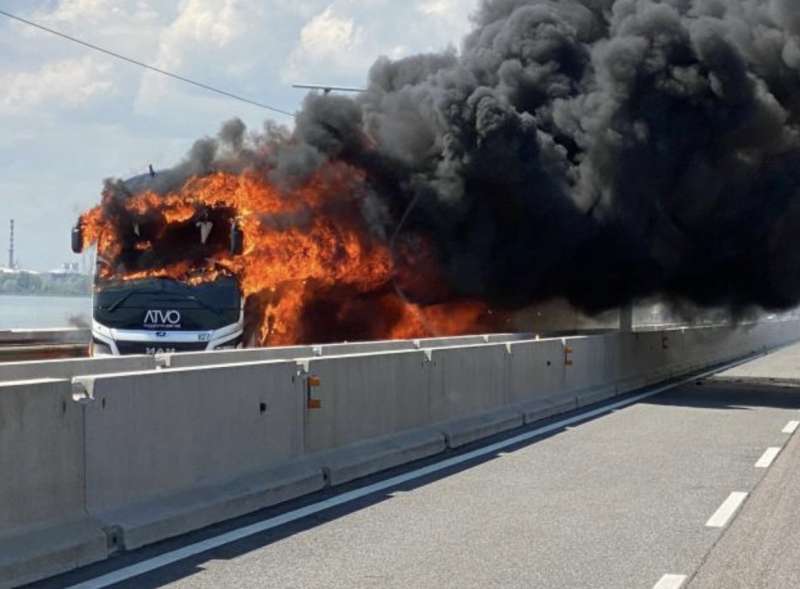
point(200, 359)
point(366, 396)
point(11, 371)
point(159, 444)
point(377, 395)
point(44, 529)
point(192, 359)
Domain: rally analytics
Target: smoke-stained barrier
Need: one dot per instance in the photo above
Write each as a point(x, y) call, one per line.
point(599, 151)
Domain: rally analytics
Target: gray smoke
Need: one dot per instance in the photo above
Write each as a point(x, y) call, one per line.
point(596, 150)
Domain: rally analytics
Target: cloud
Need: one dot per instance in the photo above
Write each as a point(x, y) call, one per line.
point(204, 24)
point(50, 74)
point(341, 40)
point(228, 34)
point(328, 41)
point(326, 33)
point(65, 84)
point(82, 12)
point(446, 8)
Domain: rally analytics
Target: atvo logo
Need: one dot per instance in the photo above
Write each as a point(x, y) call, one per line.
point(160, 317)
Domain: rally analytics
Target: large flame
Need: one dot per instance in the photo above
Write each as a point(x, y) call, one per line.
point(311, 270)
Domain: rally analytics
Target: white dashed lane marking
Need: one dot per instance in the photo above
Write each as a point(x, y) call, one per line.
point(670, 582)
point(791, 427)
point(768, 458)
point(725, 512)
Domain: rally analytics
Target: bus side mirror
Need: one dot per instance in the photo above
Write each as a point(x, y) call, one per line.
point(237, 240)
point(77, 239)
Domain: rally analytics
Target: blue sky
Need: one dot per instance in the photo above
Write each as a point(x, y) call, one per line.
point(70, 117)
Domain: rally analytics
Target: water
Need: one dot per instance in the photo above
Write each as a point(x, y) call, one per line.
point(34, 312)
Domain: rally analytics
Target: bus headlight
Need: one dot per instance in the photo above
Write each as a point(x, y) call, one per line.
point(102, 329)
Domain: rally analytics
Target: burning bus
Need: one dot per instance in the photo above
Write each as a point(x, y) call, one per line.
point(226, 258)
point(139, 311)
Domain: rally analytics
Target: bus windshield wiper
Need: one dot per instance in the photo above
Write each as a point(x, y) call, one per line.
point(202, 303)
point(115, 305)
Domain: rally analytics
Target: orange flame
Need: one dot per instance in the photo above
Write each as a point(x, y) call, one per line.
point(310, 262)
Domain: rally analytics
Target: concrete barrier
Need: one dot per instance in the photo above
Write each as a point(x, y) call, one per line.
point(449, 342)
point(590, 368)
point(196, 359)
point(465, 430)
point(376, 400)
point(199, 359)
point(366, 396)
point(364, 348)
point(73, 367)
point(172, 451)
point(536, 377)
point(504, 338)
point(376, 395)
point(474, 391)
point(551, 375)
point(537, 369)
point(44, 528)
point(467, 381)
point(369, 456)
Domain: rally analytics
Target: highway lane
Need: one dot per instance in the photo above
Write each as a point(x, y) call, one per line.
point(621, 500)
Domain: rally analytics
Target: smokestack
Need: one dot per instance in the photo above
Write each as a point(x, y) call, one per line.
point(11, 246)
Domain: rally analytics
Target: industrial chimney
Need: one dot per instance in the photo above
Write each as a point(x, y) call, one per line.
point(11, 246)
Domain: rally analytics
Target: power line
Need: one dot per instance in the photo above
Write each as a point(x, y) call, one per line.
point(145, 65)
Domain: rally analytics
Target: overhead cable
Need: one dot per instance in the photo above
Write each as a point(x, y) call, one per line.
point(147, 66)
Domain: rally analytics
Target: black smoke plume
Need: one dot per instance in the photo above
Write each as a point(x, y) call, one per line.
point(597, 150)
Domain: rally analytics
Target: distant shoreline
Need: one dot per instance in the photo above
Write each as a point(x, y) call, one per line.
point(25, 284)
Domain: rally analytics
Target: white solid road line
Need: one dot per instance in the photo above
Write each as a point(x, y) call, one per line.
point(670, 582)
point(768, 457)
point(162, 560)
point(725, 512)
point(791, 427)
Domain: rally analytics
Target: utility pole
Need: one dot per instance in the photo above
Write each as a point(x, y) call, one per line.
point(11, 246)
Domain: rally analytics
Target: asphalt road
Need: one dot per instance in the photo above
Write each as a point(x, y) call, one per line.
point(680, 484)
